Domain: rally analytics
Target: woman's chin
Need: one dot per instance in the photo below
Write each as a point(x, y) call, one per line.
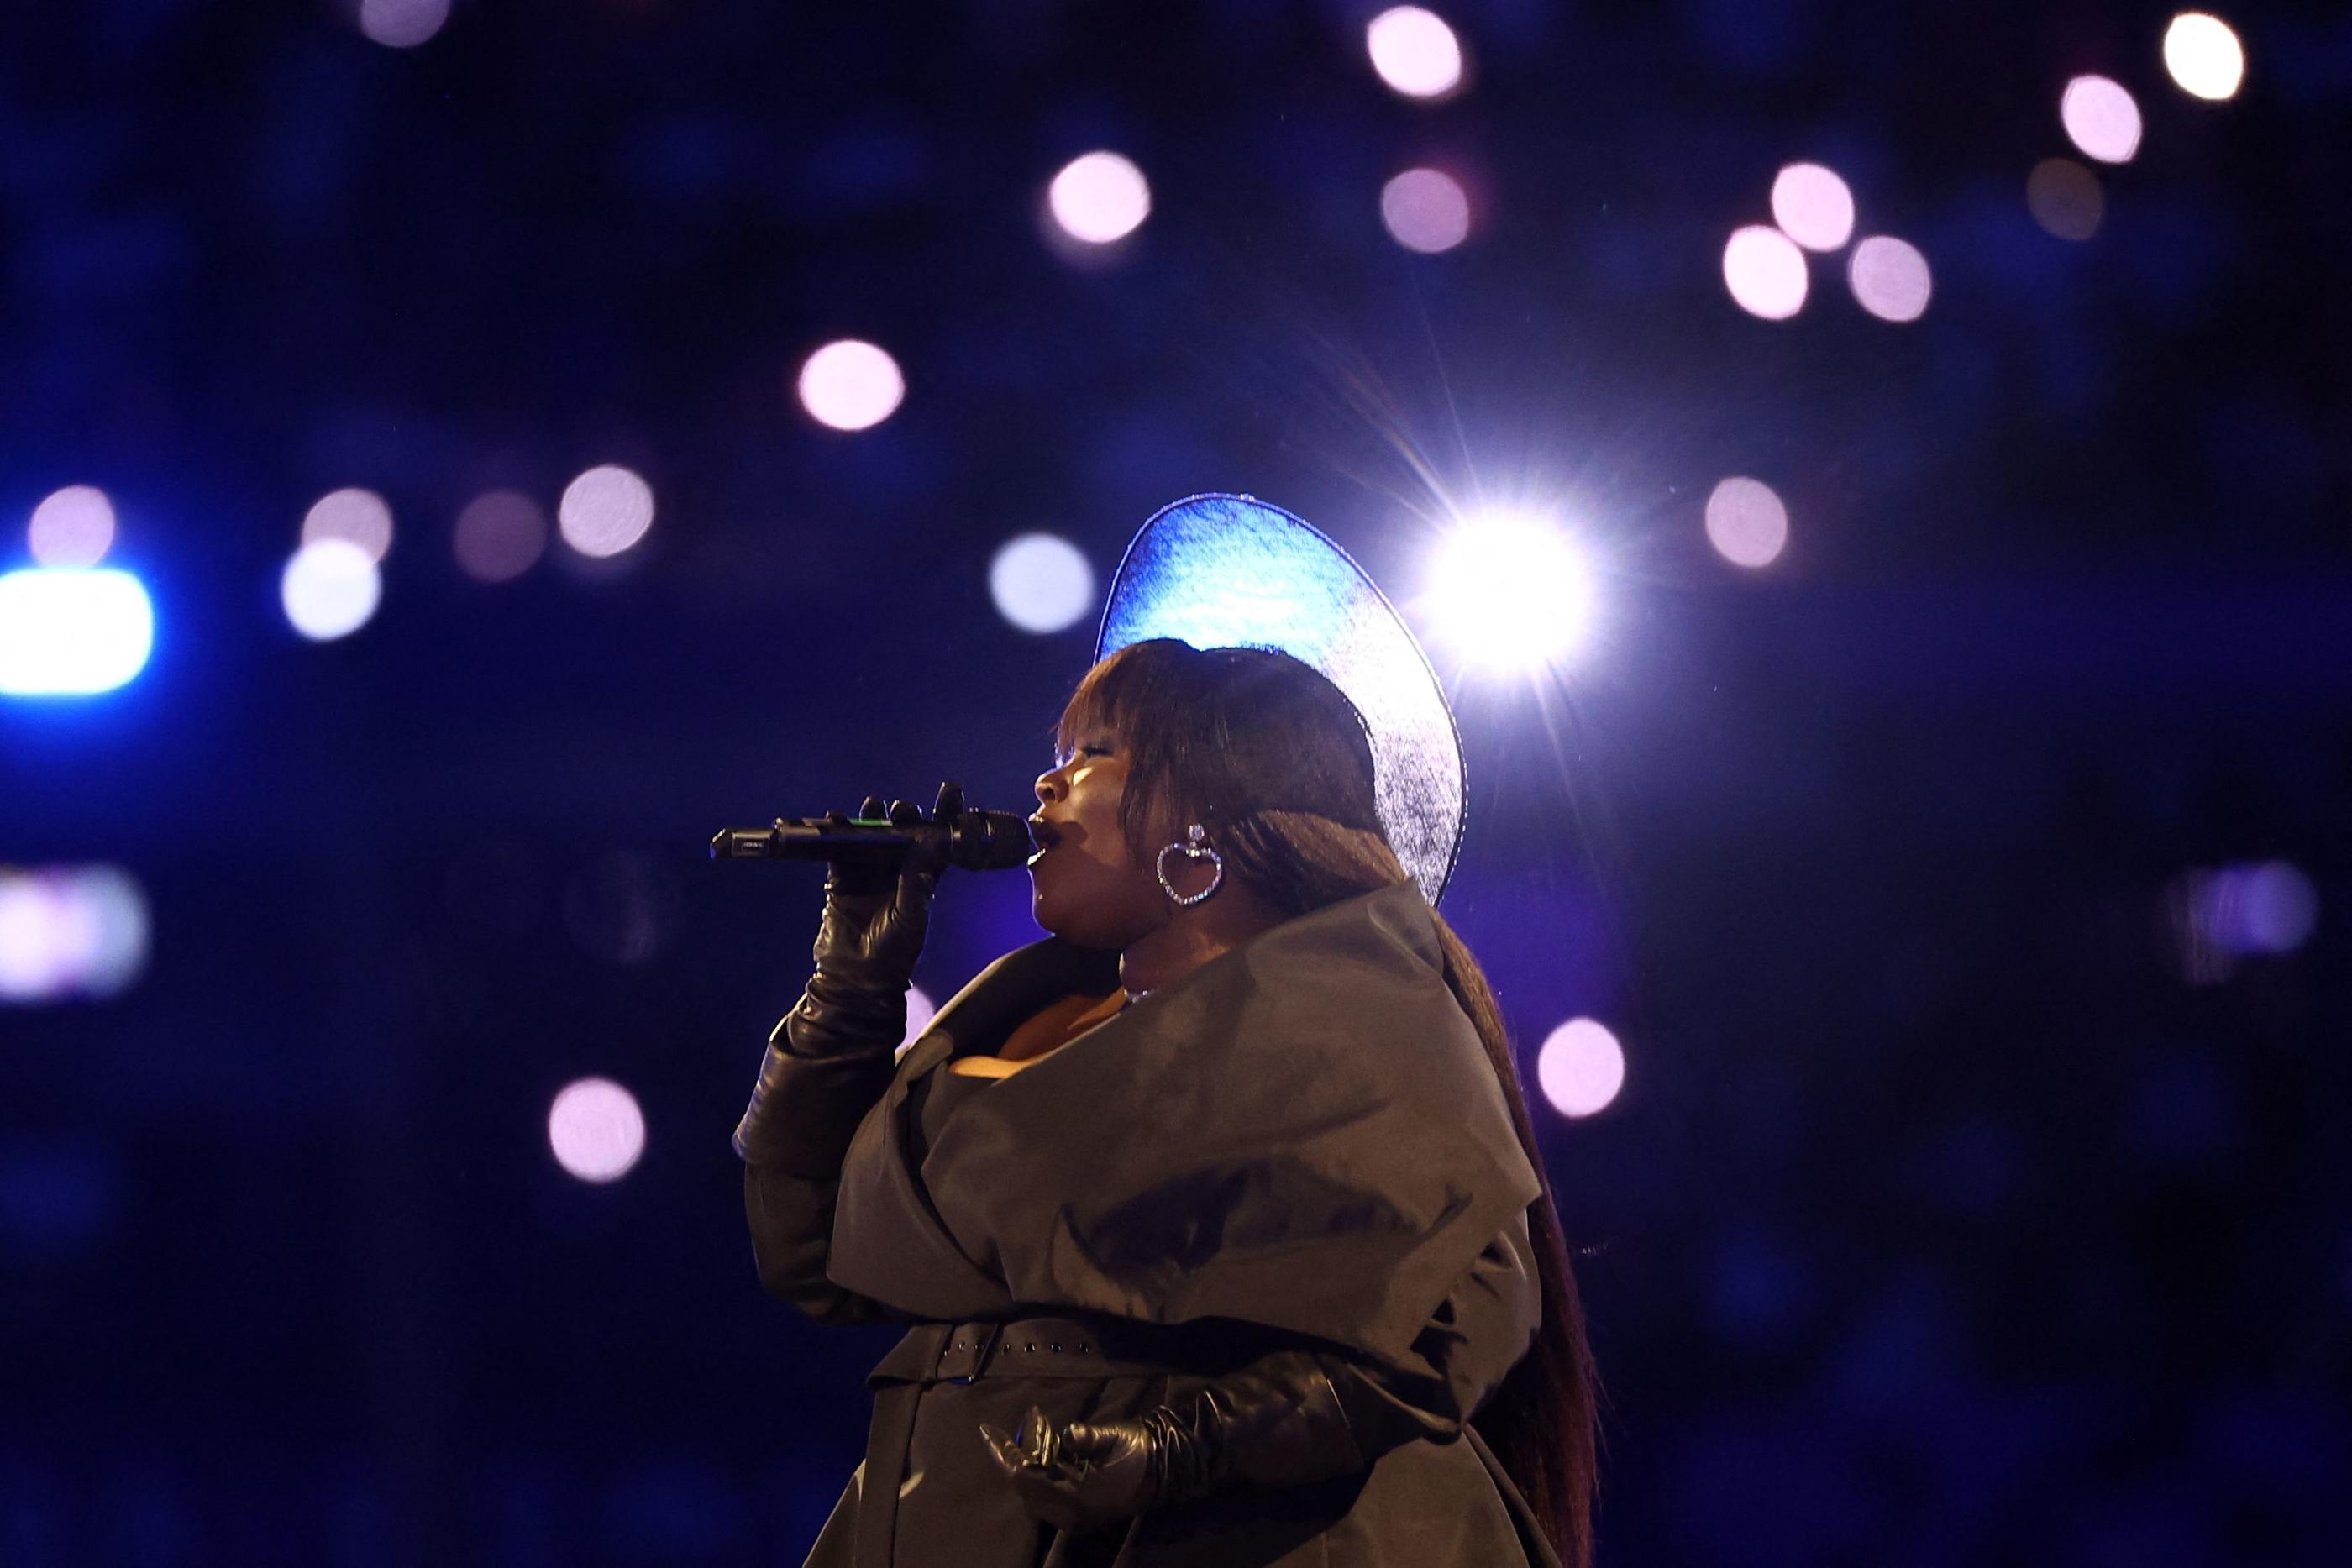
point(1050, 912)
point(1055, 917)
point(1040, 910)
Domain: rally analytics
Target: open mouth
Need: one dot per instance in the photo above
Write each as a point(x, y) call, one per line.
point(1046, 836)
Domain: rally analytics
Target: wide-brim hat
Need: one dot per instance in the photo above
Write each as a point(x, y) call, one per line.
point(1222, 572)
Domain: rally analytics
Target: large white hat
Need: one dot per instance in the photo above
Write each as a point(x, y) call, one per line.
point(1221, 571)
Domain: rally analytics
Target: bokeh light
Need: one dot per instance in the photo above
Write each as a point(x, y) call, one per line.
point(1041, 583)
point(500, 534)
point(1510, 591)
point(595, 1129)
point(360, 516)
point(2265, 909)
point(70, 931)
point(1415, 51)
point(1889, 277)
point(1813, 206)
point(2101, 119)
point(605, 510)
point(2279, 908)
point(1580, 1067)
point(920, 1011)
point(1425, 210)
point(1099, 198)
point(28, 924)
point(2064, 198)
point(851, 385)
point(72, 528)
point(2203, 55)
point(1765, 272)
point(74, 631)
point(1746, 522)
point(329, 589)
point(402, 23)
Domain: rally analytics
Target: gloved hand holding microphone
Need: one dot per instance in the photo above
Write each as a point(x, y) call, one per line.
point(876, 917)
point(827, 1058)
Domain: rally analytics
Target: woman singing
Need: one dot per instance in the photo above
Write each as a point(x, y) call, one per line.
point(1217, 1216)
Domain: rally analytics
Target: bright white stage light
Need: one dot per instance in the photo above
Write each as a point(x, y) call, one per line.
point(1890, 279)
point(2204, 56)
point(402, 23)
point(851, 385)
point(360, 516)
point(329, 589)
point(1426, 211)
point(72, 632)
point(1580, 1067)
point(1813, 206)
point(605, 510)
point(1100, 198)
point(1041, 583)
point(2100, 118)
point(1746, 522)
point(72, 528)
point(1510, 592)
point(1414, 52)
point(1765, 272)
point(596, 1130)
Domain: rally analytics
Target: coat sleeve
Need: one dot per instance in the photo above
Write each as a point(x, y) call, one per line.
point(1297, 1416)
point(1479, 1332)
point(805, 1111)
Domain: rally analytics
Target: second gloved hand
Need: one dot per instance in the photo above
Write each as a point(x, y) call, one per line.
point(1079, 1475)
point(1278, 1422)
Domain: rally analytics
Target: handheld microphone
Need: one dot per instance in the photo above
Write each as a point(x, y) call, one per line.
point(976, 841)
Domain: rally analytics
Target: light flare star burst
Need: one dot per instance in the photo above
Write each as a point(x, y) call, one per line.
point(1509, 591)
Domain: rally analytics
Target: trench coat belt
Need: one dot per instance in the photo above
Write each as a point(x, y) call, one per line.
point(1025, 1347)
point(960, 1353)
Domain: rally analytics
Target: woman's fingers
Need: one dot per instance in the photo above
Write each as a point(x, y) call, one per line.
point(1002, 1448)
point(1037, 1447)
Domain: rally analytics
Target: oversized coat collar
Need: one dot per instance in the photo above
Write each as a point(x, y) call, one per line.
point(1305, 1134)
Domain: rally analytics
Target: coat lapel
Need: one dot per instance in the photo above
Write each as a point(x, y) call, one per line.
point(888, 1240)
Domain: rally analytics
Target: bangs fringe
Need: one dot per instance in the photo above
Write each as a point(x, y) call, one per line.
point(1109, 697)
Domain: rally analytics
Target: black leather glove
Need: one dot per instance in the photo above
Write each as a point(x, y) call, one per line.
point(866, 943)
point(1278, 1422)
point(831, 1057)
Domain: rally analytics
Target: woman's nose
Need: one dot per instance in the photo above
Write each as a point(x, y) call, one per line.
point(1048, 785)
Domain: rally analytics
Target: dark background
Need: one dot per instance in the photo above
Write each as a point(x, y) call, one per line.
point(1964, 1204)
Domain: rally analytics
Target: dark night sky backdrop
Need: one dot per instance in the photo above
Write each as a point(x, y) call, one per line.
point(1942, 1219)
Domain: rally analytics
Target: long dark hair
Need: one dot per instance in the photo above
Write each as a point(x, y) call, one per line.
point(1275, 762)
